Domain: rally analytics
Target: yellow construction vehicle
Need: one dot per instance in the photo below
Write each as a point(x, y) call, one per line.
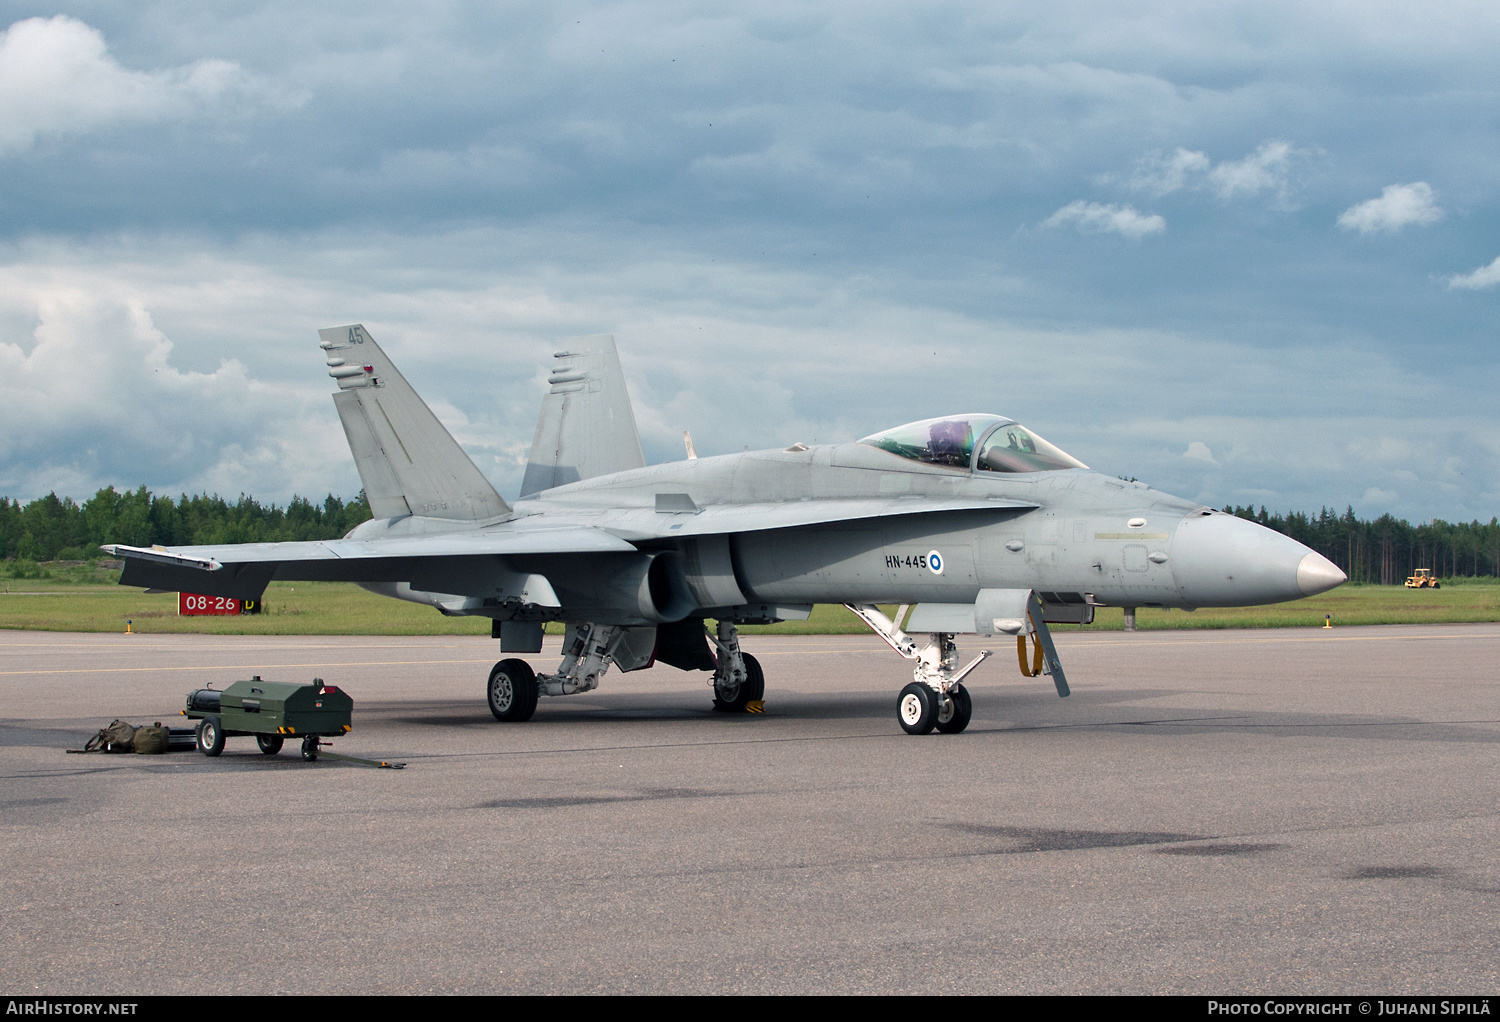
point(1423, 579)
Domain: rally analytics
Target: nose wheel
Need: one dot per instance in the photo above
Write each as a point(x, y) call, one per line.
point(921, 709)
point(917, 708)
point(956, 711)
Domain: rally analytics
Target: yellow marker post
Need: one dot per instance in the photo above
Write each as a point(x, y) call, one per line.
point(1327, 620)
point(127, 626)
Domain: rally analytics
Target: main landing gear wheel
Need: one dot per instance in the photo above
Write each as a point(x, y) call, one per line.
point(211, 736)
point(269, 744)
point(310, 748)
point(513, 690)
point(917, 708)
point(955, 711)
point(752, 689)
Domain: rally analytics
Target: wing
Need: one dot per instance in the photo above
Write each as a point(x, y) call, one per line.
point(243, 570)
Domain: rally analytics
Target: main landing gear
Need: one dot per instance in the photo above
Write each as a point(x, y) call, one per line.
point(588, 650)
point(514, 687)
point(739, 684)
point(936, 698)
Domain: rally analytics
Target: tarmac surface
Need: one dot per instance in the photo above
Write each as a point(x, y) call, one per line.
point(1257, 812)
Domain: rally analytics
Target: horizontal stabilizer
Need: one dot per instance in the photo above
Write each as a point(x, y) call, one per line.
point(408, 461)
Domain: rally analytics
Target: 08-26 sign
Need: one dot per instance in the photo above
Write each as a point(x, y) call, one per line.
point(195, 604)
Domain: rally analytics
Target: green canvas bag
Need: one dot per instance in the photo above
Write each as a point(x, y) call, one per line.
point(152, 739)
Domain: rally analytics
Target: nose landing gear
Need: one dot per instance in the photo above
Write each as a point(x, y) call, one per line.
point(936, 698)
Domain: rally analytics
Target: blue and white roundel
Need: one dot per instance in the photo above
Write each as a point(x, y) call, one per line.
point(935, 562)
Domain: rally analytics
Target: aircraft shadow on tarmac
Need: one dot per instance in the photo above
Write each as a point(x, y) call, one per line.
point(1015, 712)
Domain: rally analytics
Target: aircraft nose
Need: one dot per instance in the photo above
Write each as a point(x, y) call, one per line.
point(1317, 574)
point(1220, 560)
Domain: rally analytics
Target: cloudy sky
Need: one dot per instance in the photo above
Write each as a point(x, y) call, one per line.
point(1247, 252)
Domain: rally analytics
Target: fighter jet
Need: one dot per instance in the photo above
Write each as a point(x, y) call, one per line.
point(972, 524)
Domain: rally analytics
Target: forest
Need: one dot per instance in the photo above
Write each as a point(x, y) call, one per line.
point(1383, 551)
point(59, 528)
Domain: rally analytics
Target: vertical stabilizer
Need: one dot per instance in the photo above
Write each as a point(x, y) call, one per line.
point(409, 463)
point(587, 428)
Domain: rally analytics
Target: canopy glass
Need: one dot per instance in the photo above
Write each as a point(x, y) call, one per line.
point(1004, 445)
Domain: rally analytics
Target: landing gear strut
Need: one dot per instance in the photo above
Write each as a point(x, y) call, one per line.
point(739, 684)
point(588, 650)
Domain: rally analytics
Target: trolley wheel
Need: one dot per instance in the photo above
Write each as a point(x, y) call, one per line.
point(211, 736)
point(270, 744)
point(310, 748)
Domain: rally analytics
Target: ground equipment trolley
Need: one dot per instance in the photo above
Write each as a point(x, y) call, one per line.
point(272, 711)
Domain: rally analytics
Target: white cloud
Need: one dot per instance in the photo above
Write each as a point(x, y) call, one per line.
point(1397, 206)
point(1098, 217)
point(1198, 451)
point(56, 77)
point(132, 361)
point(1161, 175)
point(92, 396)
point(1265, 168)
point(1485, 276)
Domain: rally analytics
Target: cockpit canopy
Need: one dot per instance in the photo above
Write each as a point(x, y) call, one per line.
point(1003, 445)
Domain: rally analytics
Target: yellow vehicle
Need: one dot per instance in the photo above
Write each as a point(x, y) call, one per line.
point(1423, 579)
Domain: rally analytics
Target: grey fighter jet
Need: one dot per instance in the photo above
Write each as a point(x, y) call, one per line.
point(973, 524)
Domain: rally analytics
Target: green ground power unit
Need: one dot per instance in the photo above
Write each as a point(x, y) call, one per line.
point(272, 711)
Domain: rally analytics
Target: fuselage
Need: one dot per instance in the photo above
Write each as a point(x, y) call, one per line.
point(1089, 537)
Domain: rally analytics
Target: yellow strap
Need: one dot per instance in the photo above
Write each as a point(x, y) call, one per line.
point(1035, 668)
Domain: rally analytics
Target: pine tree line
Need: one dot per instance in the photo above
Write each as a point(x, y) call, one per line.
point(58, 528)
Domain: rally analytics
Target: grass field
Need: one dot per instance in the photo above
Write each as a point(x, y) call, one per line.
point(85, 598)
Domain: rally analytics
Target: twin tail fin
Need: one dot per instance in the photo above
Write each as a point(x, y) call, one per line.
point(408, 461)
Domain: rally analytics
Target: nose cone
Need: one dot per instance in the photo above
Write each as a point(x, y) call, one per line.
point(1317, 574)
point(1219, 560)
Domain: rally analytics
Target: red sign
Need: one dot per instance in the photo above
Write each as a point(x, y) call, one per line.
point(192, 603)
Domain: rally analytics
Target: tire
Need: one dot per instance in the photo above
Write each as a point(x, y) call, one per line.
point(917, 709)
point(753, 688)
point(211, 736)
point(270, 744)
point(512, 691)
point(956, 712)
point(310, 748)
